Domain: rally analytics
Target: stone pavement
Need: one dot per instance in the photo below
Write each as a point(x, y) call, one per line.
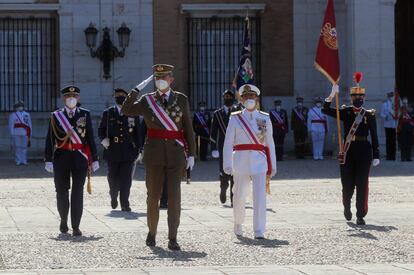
point(307, 233)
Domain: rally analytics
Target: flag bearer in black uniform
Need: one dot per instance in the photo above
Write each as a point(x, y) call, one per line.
point(218, 132)
point(359, 153)
point(120, 135)
point(299, 120)
point(70, 152)
point(279, 119)
point(201, 125)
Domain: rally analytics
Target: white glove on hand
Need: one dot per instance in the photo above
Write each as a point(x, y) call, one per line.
point(274, 171)
point(49, 167)
point(375, 162)
point(95, 166)
point(105, 143)
point(215, 154)
point(190, 162)
point(144, 83)
point(228, 170)
point(334, 91)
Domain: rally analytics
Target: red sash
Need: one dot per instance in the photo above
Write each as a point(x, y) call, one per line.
point(256, 146)
point(280, 122)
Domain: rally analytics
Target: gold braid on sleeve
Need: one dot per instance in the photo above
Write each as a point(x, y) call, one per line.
point(59, 134)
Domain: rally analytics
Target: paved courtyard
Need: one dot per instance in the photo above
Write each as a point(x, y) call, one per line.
point(307, 233)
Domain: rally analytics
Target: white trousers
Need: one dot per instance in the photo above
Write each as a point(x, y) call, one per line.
point(20, 149)
point(318, 140)
point(241, 185)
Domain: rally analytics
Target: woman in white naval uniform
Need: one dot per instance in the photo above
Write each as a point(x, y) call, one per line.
point(249, 165)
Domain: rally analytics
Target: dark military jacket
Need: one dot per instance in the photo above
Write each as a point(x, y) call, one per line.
point(81, 123)
point(161, 151)
point(123, 133)
point(218, 127)
point(198, 127)
point(361, 148)
point(279, 129)
point(297, 123)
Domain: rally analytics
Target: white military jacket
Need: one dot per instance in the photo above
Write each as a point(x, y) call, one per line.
point(387, 112)
point(315, 113)
point(248, 162)
point(16, 118)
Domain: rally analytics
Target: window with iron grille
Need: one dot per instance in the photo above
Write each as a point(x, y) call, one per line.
point(214, 48)
point(28, 63)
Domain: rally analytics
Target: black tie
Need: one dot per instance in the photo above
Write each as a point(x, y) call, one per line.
point(164, 100)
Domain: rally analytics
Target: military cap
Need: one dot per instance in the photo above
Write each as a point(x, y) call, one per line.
point(248, 89)
point(228, 92)
point(299, 99)
point(18, 104)
point(277, 102)
point(162, 69)
point(390, 94)
point(202, 103)
point(357, 90)
point(119, 90)
point(70, 90)
point(317, 99)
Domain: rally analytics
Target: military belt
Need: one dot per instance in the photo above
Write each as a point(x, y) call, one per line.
point(359, 138)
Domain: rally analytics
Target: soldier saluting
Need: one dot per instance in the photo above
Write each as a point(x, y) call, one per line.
point(168, 149)
point(121, 137)
point(359, 153)
point(70, 152)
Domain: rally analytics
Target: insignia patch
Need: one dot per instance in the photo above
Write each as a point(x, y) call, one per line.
point(329, 35)
point(81, 122)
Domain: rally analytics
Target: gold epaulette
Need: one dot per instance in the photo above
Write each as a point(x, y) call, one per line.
point(343, 106)
point(371, 111)
point(264, 113)
point(181, 94)
point(236, 113)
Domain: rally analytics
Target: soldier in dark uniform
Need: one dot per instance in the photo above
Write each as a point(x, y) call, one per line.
point(120, 135)
point(70, 152)
point(279, 119)
point(299, 120)
point(359, 152)
point(169, 147)
point(218, 132)
point(405, 129)
point(201, 124)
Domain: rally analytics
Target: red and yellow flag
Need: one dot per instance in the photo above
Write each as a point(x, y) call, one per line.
point(327, 56)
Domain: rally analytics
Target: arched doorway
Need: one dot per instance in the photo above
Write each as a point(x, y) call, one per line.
point(404, 47)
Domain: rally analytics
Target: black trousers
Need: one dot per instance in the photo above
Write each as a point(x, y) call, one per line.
point(354, 174)
point(279, 143)
point(67, 165)
point(203, 147)
point(300, 143)
point(406, 138)
point(225, 179)
point(120, 180)
point(391, 143)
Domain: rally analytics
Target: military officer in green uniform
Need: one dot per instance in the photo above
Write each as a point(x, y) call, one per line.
point(168, 149)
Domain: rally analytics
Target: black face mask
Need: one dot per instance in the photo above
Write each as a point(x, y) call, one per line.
point(120, 99)
point(357, 102)
point(228, 102)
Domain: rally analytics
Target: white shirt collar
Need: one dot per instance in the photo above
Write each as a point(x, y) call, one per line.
point(226, 109)
point(118, 108)
point(70, 110)
point(167, 94)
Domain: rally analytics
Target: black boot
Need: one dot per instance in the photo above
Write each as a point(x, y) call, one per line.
point(76, 232)
point(223, 188)
point(63, 227)
point(150, 241)
point(114, 203)
point(347, 213)
point(173, 245)
point(360, 221)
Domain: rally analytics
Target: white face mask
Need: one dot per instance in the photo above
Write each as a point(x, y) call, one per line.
point(71, 102)
point(20, 109)
point(318, 105)
point(278, 108)
point(249, 104)
point(161, 84)
point(300, 104)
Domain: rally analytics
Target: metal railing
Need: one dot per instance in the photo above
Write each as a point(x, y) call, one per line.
point(28, 63)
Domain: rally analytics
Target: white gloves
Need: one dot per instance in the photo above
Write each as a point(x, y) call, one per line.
point(375, 162)
point(215, 154)
point(95, 166)
point(105, 143)
point(334, 91)
point(49, 167)
point(144, 83)
point(190, 162)
point(228, 170)
point(274, 171)
point(140, 157)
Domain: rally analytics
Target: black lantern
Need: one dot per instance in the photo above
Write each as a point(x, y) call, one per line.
point(106, 51)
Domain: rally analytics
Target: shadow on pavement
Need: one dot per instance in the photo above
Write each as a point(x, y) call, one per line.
point(82, 239)
point(184, 256)
point(266, 243)
point(126, 215)
point(359, 231)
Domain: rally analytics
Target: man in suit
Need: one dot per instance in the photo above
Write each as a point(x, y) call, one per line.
point(279, 119)
point(299, 119)
point(70, 152)
point(169, 147)
point(218, 132)
point(121, 138)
